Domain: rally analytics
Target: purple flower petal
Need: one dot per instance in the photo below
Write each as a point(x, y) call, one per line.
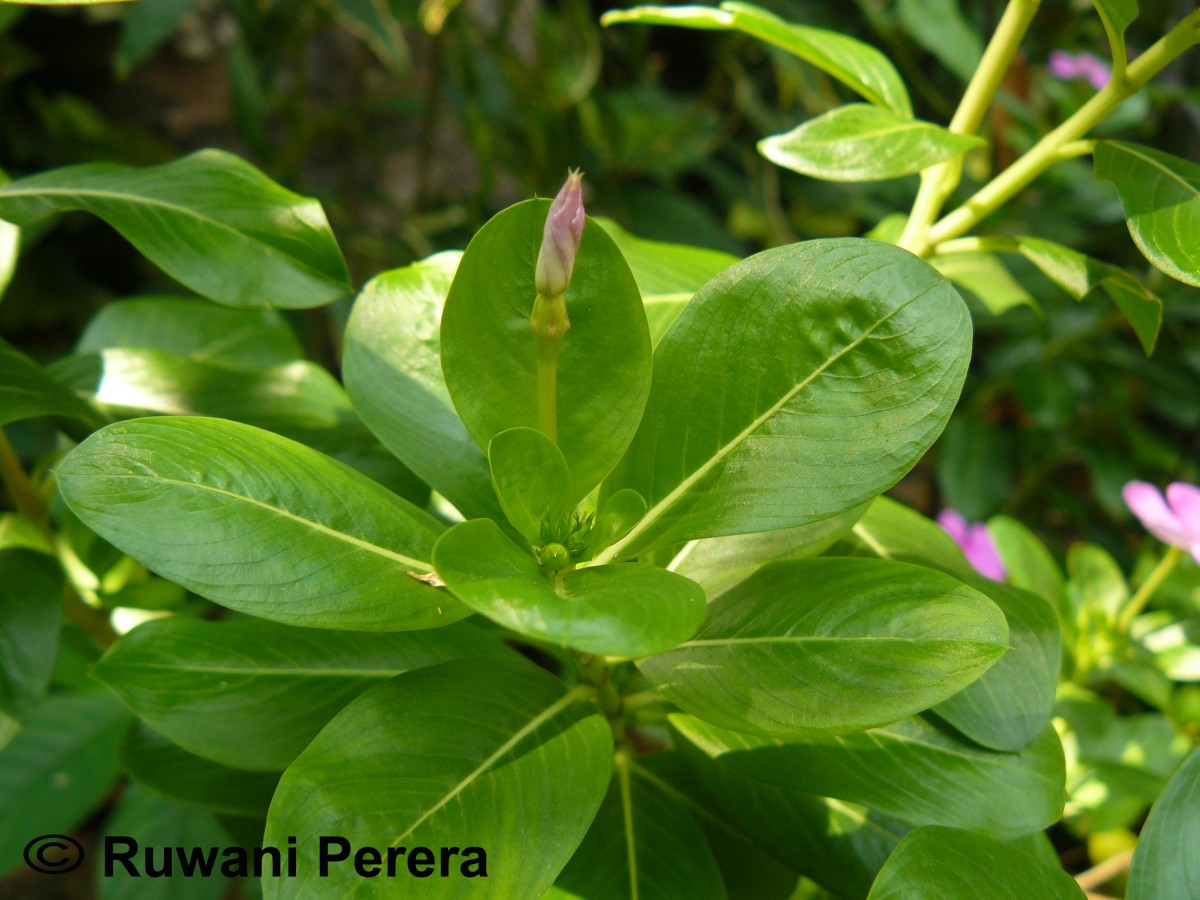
point(1063, 65)
point(954, 524)
point(1094, 69)
point(1184, 499)
point(1147, 503)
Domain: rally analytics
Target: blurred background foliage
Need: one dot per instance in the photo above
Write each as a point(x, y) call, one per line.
point(414, 122)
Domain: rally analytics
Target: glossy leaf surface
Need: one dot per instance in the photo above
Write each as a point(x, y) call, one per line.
point(393, 373)
point(870, 347)
point(1161, 196)
point(286, 533)
point(911, 770)
point(27, 390)
point(622, 609)
point(531, 480)
point(829, 646)
point(859, 66)
point(276, 248)
point(489, 354)
point(252, 694)
point(402, 767)
point(949, 863)
point(1165, 863)
point(861, 142)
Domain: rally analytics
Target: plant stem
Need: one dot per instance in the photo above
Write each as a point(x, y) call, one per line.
point(1155, 579)
point(1105, 871)
point(1051, 147)
point(939, 182)
point(549, 323)
point(547, 389)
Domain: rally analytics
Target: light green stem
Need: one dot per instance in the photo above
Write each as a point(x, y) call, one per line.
point(547, 390)
point(1063, 141)
point(939, 182)
point(549, 323)
point(1152, 583)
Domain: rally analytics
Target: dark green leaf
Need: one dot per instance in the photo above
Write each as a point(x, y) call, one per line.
point(827, 646)
point(866, 339)
point(1117, 16)
point(59, 768)
point(258, 523)
point(252, 694)
point(616, 517)
point(150, 759)
point(623, 609)
point(202, 331)
point(861, 142)
point(643, 842)
point(952, 864)
point(146, 26)
point(1165, 863)
point(30, 610)
point(490, 754)
point(489, 352)
point(393, 373)
point(1010, 704)
point(28, 391)
point(154, 821)
point(911, 770)
point(209, 220)
point(1161, 197)
point(1027, 561)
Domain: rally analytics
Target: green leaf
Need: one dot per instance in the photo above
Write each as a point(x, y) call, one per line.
point(623, 609)
point(431, 759)
point(30, 611)
point(59, 768)
point(668, 275)
point(393, 373)
point(299, 400)
point(974, 465)
point(839, 845)
point(911, 770)
point(866, 339)
point(28, 391)
point(828, 646)
point(861, 142)
point(252, 694)
point(151, 760)
point(643, 842)
point(10, 247)
point(210, 220)
point(859, 66)
point(1079, 275)
point(940, 28)
point(1161, 197)
point(1117, 16)
point(986, 277)
point(717, 564)
point(489, 353)
point(379, 28)
point(531, 480)
point(249, 338)
point(1096, 588)
point(615, 518)
point(1164, 863)
point(1027, 561)
point(949, 864)
point(258, 523)
point(1009, 706)
point(155, 821)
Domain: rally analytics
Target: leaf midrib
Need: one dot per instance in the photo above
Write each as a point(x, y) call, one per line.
point(682, 489)
point(315, 526)
point(822, 639)
point(571, 697)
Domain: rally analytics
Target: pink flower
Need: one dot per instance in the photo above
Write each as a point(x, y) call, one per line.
point(1175, 519)
point(976, 543)
point(560, 239)
point(1069, 66)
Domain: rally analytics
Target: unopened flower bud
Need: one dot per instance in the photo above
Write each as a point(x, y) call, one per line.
point(560, 240)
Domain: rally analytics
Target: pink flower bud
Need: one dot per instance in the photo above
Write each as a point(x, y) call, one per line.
point(560, 240)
